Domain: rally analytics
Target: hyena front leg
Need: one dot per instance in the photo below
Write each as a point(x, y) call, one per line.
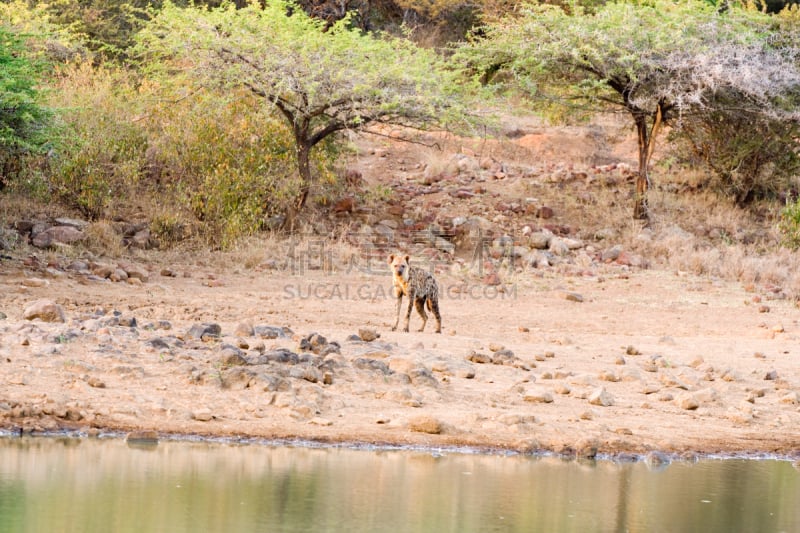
point(399, 297)
point(411, 298)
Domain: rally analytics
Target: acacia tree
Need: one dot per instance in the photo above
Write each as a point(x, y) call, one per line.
point(321, 79)
point(658, 61)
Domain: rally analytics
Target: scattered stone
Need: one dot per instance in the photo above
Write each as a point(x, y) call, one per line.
point(142, 437)
point(244, 329)
point(655, 459)
point(771, 375)
point(608, 375)
point(57, 235)
point(537, 395)
point(563, 389)
point(45, 310)
point(601, 397)
point(586, 448)
point(480, 358)
point(573, 297)
point(790, 398)
point(319, 421)
point(35, 282)
point(687, 401)
point(368, 334)
point(203, 414)
point(425, 424)
point(96, 382)
point(272, 332)
point(630, 350)
point(204, 332)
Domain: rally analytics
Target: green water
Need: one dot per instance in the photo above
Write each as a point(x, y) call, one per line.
point(104, 485)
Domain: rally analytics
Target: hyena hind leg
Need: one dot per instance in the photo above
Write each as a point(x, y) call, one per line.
point(433, 305)
point(419, 303)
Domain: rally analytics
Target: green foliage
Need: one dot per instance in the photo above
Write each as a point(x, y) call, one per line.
point(789, 224)
point(107, 27)
point(321, 79)
point(23, 119)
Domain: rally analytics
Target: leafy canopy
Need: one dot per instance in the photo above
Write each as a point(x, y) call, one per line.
point(334, 77)
point(637, 55)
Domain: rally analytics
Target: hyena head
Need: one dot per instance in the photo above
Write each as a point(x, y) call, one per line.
point(399, 265)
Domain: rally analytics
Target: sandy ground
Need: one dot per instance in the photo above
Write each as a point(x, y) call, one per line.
point(616, 361)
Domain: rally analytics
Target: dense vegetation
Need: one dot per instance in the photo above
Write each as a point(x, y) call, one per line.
point(221, 119)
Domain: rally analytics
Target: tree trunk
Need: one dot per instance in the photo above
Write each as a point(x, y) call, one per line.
point(647, 144)
point(304, 168)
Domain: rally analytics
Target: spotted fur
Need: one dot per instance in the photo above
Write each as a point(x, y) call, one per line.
point(419, 286)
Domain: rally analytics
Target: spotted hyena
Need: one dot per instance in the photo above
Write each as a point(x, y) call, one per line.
point(420, 287)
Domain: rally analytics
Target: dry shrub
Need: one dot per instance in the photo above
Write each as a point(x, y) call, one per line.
point(97, 167)
point(103, 239)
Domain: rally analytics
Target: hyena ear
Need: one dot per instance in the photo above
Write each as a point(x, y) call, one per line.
point(407, 258)
point(391, 258)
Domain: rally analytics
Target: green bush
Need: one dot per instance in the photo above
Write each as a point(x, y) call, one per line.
point(23, 120)
point(789, 224)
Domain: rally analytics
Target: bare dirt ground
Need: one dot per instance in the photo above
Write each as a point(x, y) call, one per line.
point(686, 364)
point(610, 358)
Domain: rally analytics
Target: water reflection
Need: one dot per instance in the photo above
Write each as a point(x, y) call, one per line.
point(90, 485)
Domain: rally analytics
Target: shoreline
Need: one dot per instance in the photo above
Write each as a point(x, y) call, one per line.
point(653, 458)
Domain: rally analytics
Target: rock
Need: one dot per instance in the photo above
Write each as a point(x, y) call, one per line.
point(537, 395)
point(142, 437)
point(57, 235)
point(237, 378)
point(573, 296)
point(35, 282)
point(687, 401)
point(586, 448)
point(135, 271)
point(368, 334)
point(601, 397)
point(244, 329)
point(790, 398)
point(203, 414)
point(231, 356)
point(480, 358)
point(425, 424)
point(204, 332)
point(540, 240)
point(611, 254)
point(558, 247)
point(655, 459)
point(772, 375)
point(272, 332)
point(45, 310)
point(96, 382)
point(319, 421)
